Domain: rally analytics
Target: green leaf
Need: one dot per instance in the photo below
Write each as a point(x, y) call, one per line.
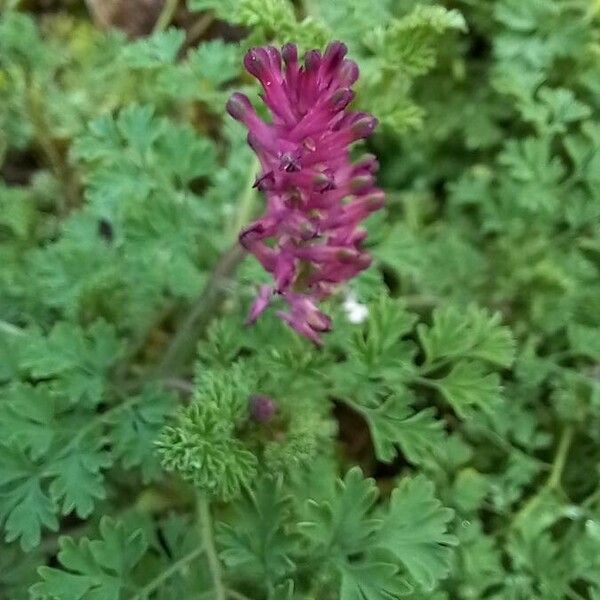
point(522, 16)
point(256, 544)
point(469, 385)
point(414, 529)
point(78, 480)
point(60, 351)
point(17, 210)
point(585, 340)
point(157, 50)
point(394, 423)
point(536, 171)
point(28, 418)
point(378, 342)
point(93, 570)
point(343, 522)
point(215, 61)
point(136, 429)
point(474, 334)
point(407, 45)
point(563, 107)
point(372, 581)
point(78, 359)
point(202, 445)
point(24, 507)
point(469, 489)
point(137, 127)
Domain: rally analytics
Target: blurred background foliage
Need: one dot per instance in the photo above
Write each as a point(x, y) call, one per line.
point(473, 384)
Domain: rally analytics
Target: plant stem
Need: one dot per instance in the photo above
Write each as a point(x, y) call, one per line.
point(245, 205)
point(11, 329)
point(553, 481)
point(202, 312)
point(560, 459)
point(167, 574)
point(212, 295)
point(97, 420)
point(199, 28)
point(53, 155)
point(236, 595)
point(166, 15)
point(208, 541)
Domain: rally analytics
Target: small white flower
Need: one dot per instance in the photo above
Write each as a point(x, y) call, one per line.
point(355, 311)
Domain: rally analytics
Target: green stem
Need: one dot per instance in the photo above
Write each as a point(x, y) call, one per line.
point(419, 301)
point(203, 310)
point(199, 28)
point(167, 574)
point(166, 15)
point(553, 481)
point(54, 157)
point(245, 206)
point(428, 368)
point(236, 595)
point(431, 383)
point(212, 295)
point(560, 459)
point(208, 541)
point(94, 422)
point(11, 329)
point(573, 595)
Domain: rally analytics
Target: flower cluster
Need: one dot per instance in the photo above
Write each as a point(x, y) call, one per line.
point(308, 238)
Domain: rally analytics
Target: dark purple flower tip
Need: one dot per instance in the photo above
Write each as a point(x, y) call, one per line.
point(262, 408)
point(312, 60)
point(360, 183)
point(265, 181)
point(274, 57)
point(254, 231)
point(341, 98)
point(301, 327)
point(323, 182)
point(348, 255)
point(363, 127)
point(256, 62)
point(238, 106)
point(357, 237)
point(348, 73)
point(289, 52)
point(319, 321)
point(367, 162)
point(289, 162)
point(334, 54)
point(375, 200)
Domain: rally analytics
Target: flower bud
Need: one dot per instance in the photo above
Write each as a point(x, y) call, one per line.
point(262, 408)
point(238, 106)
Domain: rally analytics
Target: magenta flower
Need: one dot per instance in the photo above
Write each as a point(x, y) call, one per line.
point(309, 237)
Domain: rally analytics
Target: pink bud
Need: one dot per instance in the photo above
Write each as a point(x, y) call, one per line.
point(262, 408)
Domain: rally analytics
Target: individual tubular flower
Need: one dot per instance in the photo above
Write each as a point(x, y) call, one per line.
point(309, 237)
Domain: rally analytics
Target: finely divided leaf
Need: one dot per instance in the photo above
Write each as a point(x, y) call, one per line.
point(414, 529)
point(343, 523)
point(93, 570)
point(372, 581)
point(469, 386)
point(394, 423)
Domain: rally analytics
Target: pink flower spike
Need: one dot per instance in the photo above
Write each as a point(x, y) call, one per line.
point(309, 238)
